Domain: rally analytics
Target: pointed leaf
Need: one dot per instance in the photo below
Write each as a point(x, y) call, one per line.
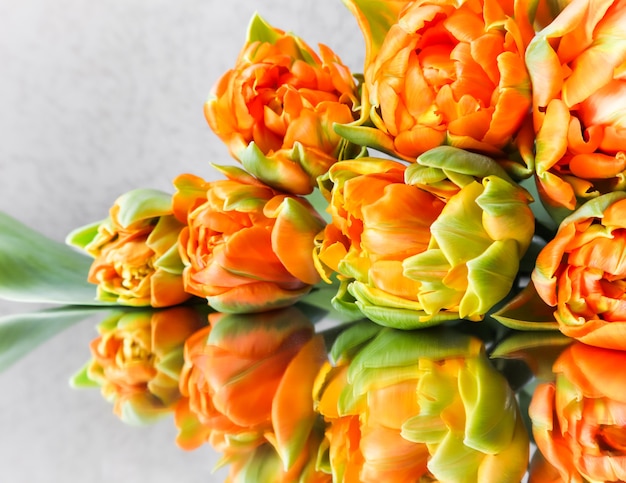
point(527, 311)
point(34, 268)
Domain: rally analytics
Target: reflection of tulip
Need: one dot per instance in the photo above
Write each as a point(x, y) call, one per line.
point(436, 80)
point(136, 253)
point(402, 406)
point(578, 420)
point(276, 109)
point(248, 381)
point(247, 248)
point(264, 464)
point(576, 65)
point(582, 272)
point(454, 251)
point(137, 359)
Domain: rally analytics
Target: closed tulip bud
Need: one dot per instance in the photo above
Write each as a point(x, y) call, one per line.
point(418, 407)
point(453, 252)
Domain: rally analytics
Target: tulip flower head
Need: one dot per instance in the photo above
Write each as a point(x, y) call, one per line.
point(448, 72)
point(247, 382)
point(581, 272)
point(136, 251)
point(577, 420)
point(418, 407)
point(418, 245)
point(576, 64)
point(137, 360)
point(276, 108)
point(246, 247)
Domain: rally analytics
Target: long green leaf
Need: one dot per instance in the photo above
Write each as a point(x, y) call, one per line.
point(34, 268)
point(21, 333)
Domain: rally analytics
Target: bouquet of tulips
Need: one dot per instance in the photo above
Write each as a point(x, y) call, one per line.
point(475, 169)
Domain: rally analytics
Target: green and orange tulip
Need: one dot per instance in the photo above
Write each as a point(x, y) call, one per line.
point(247, 382)
point(581, 272)
point(246, 247)
point(414, 246)
point(576, 64)
point(135, 250)
point(578, 420)
point(276, 108)
point(137, 358)
point(401, 406)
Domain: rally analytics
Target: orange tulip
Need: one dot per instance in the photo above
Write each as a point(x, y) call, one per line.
point(417, 407)
point(449, 73)
point(579, 421)
point(137, 359)
point(246, 247)
point(415, 246)
point(247, 381)
point(136, 253)
point(276, 108)
point(581, 272)
point(577, 65)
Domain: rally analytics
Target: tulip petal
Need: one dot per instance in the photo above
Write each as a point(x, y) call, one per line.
point(293, 415)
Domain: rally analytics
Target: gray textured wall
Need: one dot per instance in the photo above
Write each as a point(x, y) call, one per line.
point(97, 98)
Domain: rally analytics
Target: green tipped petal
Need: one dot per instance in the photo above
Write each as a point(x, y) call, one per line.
point(451, 159)
point(141, 204)
point(261, 31)
point(83, 236)
point(490, 277)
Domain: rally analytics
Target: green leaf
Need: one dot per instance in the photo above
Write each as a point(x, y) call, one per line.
point(34, 268)
point(527, 311)
point(21, 333)
point(367, 136)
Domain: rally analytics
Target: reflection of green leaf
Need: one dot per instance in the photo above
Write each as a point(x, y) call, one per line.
point(34, 268)
point(21, 333)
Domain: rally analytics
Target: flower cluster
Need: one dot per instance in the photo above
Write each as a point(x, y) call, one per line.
point(476, 167)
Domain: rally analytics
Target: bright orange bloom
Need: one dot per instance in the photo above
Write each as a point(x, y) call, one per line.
point(577, 66)
point(137, 359)
point(276, 108)
point(451, 73)
point(247, 381)
point(579, 421)
point(582, 272)
point(417, 407)
point(246, 247)
point(414, 246)
point(136, 251)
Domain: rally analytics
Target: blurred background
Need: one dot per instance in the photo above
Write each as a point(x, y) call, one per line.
point(98, 98)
